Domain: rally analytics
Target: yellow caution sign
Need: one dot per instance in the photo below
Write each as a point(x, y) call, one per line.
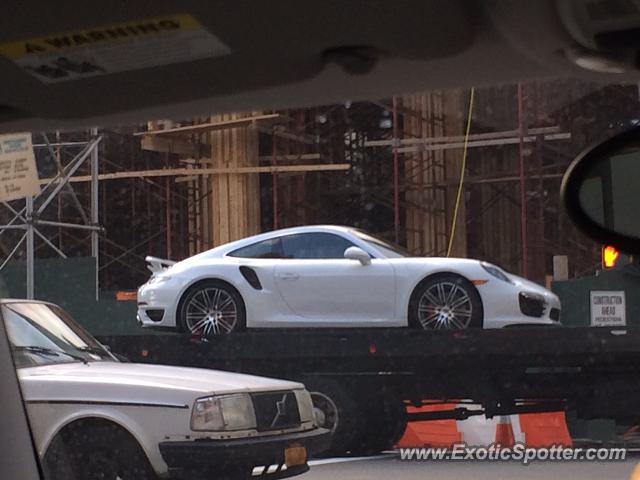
point(114, 48)
point(18, 171)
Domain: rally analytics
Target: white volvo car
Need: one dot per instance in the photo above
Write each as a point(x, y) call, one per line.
point(331, 276)
point(93, 416)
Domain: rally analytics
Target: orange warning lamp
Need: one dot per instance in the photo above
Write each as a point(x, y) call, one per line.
point(609, 256)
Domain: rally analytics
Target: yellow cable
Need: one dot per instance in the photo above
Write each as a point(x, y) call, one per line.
point(462, 170)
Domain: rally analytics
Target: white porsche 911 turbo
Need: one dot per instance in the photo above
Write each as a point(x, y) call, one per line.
point(330, 276)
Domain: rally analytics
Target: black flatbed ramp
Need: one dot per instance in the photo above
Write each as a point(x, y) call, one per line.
point(594, 370)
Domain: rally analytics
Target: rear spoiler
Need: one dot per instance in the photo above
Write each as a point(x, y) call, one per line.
point(157, 265)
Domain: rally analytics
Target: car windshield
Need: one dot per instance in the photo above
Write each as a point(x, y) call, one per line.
point(405, 258)
point(42, 334)
point(442, 176)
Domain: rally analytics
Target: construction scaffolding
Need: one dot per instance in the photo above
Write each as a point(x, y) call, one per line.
point(29, 221)
point(393, 167)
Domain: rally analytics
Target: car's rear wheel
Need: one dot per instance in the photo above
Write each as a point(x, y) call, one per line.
point(445, 302)
point(211, 307)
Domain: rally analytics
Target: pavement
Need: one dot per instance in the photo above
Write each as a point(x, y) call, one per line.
point(389, 467)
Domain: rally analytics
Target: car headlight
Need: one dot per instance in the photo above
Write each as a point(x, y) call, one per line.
point(224, 412)
point(305, 405)
point(496, 272)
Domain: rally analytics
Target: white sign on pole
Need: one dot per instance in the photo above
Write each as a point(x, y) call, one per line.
point(18, 172)
point(608, 309)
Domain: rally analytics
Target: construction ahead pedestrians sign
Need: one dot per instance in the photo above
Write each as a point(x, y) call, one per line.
point(18, 173)
point(608, 309)
point(114, 48)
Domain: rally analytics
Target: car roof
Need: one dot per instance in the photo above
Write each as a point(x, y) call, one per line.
point(228, 247)
point(308, 228)
point(4, 301)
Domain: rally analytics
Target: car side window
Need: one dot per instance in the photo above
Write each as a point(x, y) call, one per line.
point(314, 246)
point(270, 248)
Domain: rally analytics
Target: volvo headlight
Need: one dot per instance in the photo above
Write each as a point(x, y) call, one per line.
point(305, 405)
point(224, 412)
point(496, 272)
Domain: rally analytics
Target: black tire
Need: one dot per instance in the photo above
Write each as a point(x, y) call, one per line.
point(188, 309)
point(383, 423)
point(96, 451)
point(328, 395)
point(428, 311)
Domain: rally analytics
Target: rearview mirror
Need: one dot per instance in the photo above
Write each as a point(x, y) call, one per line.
point(601, 191)
point(356, 253)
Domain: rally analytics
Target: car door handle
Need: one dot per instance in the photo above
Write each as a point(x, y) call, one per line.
point(288, 276)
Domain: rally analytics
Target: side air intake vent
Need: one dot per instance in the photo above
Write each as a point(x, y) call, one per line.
point(251, 276)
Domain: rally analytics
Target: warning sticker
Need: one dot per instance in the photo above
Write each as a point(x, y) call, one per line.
point(114, 48)
point(18, 173)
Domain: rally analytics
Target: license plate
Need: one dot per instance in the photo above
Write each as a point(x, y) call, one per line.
point(295, 456)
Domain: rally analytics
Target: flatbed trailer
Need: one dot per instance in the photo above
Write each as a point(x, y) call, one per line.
point(362, 379)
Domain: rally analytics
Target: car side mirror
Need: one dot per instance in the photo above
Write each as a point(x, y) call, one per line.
point(356, 253)
point(601, 191)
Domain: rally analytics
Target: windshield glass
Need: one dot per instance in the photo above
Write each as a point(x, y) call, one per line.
point(491, 295)
point(42, 334)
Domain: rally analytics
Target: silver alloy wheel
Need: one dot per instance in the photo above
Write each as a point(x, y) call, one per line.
point(211, 311)
point(445, 305)
point(325, 411)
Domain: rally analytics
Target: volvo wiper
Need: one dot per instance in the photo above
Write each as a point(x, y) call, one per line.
point(48, 352)
point(101, 352)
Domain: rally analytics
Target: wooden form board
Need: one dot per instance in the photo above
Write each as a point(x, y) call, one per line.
point(193, 172)
point(484, 143)
point(240, 121)
point(269, 158)
point(507, 134)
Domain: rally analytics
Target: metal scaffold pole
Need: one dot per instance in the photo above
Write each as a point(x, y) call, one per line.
point(95, 238)
point(274, 185)
point(396, 174)
point(522, 127)
point(30, 249)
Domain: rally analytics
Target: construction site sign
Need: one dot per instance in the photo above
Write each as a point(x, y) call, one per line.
point(18, 172)
point(608, 309)
point(114, 48)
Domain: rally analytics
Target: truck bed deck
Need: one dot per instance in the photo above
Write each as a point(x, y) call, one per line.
point(591, 370)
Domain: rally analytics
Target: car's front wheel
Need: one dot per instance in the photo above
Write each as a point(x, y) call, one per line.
point(97, 451)
point(211, 307)
point(445, 302)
